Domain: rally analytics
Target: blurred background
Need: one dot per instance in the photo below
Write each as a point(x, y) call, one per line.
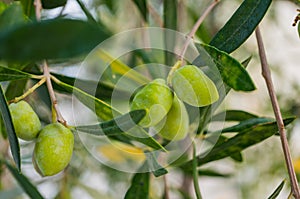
point(263, 166)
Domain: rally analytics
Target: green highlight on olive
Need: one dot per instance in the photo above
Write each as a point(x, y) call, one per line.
point(26, 122)
point(156, 98)
point(193, 87)
point(176, 124)
point(53, 149)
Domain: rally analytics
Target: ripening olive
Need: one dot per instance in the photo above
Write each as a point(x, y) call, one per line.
point(156, 98)
point(193, 87)
point(49, 4)
point(53, 149)
point(175, 126)
point(26, 122)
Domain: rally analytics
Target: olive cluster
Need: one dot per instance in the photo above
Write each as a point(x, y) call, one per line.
point(54, 144)
point(166, 112)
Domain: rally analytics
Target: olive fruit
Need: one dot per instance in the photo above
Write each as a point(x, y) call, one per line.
point(49, 4)
point(26, 122)
point(53, 149)
point(175, 126)
point(193, 87)
point(156, 98)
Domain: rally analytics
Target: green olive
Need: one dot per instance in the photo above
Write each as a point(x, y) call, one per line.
point(193, 87)
point(176, 124)
point(156, 98)
point(26, 122)
point(49, 4)
point(53, 149)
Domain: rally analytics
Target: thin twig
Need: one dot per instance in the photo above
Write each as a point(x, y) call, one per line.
point(59, 116)
point(191, 35)
point(195, 173)
point(266, 73)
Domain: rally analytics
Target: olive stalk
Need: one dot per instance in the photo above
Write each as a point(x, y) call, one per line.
point(266, 73)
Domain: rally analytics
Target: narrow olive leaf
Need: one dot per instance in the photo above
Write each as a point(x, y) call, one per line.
point(10, 130)
point(139, 186)
point(153, 165)
point(65, 38)
point(238, 157)
point(106, 112)
point(299, 29)
point(2, 129)
point(246, 124)
point(232, 72)
point(241, 141)
point(119, 67)
point(15, 89)
point(9, 74)
point(142, 6)
point(241, 25)
point(101, 89)
point(170, 22)
point(277, 191)
point(228, 146)
point(12, 16)
point(233, 115)
point(86, 12)
point(212, 173)
point(115, 126)
point(28, 8)
point(195, 174)
point(27, 186)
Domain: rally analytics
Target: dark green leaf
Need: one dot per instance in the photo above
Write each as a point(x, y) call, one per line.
point(105, 112)
point(86, 12)
point(15, 89)
point(237, 157)
point(27, 186)
point(65, 38)
point(299, 29)
point(115, 126)
point(246, 124)
point(232, 72)
point(233, 115)
point(241, 25)
point(28, 8)
point(195, 174)
point(139, 186)
point(2, 130)
point(13, 140)
point(101, 89)
point(153, 165)
point(240, 142)
point(170, 22)
point(46, 4)
point(277, 191)
point(8, 74)
point(142, 6)
point(212, 173)
point(12, 16)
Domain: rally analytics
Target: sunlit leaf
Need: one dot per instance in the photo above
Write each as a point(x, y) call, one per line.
point(8, 74)
point(241, 25)
point(277, 191)
point(232, 72)
point(26, 185)
point(115, 126)
point(10, 130)
point(65, 38)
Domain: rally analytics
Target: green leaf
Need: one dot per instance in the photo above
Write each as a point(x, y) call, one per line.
point(195, 174)
point(115, 126)
point(8, 74)
point(237, 157)
point(15, 89)
point(170, 22)
point(139, 186)
point(12, 16)
point(65, 38)
point(10, 130)
point(277, 191)
point(232, 72)
point(212, 173)
point(142, 6)
point(153, 165)
point(246, 124)
point(3, 132)
point(27, 186)
point(240, 142)
point(233, 115)
point(101, 89)
point(241, 25)
point(28, 8)
point(105, 112)
point(299, 29)
point(86, 12)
